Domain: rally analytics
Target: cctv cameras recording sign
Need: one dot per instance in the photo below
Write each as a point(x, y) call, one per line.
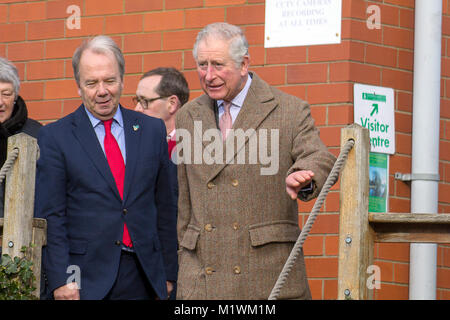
point(302, 22)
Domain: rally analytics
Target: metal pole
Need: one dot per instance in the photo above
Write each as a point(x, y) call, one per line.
point(425, 140)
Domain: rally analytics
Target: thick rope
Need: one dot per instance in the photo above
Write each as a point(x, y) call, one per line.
point(331, 180)
point(8, 163)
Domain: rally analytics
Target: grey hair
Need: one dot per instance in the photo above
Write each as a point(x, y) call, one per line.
point(9, 74)
point(99, 44)
point(225, 31)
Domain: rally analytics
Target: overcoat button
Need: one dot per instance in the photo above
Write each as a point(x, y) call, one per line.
point(211, 185)
point(208, 227)
point(237, 270)
point(235, 182)
point(209, 270)
point(117, 243)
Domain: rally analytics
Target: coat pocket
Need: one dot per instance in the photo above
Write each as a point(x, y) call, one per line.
point(190, 237)
point(77, 246)
point(274, 231)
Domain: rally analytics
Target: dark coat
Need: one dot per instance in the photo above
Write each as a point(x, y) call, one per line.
point(85, 214)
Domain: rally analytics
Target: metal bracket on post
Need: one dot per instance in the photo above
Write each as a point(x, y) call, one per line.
point(416, 176)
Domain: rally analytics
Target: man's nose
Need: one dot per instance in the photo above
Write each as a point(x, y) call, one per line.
point(209, 73)
point(102, 89)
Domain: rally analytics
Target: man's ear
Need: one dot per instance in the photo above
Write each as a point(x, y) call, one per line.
point(172, 104)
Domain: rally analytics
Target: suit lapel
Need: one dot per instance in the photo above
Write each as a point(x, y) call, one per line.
point(84, 132)
point(132, 133)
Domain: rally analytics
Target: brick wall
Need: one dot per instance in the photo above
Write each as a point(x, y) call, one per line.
point(34, 35)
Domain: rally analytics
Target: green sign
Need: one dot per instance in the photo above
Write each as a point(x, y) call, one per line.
point(378, 182)
point(373, 97)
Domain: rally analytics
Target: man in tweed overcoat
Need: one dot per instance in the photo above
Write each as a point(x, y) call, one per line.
point(238, 215)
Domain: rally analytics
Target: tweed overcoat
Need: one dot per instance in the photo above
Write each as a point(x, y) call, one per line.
point(237, 226)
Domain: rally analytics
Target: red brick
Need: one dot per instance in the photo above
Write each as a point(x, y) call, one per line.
point(46, 29)
point(90, 26)
point(402, 3)
point(313, 246)
point(26, 51)
point(130, 84)
point(359, 31)
point(321, 267)
point(32, 90)
point(404, 101)
point(407, 18)
point(143, 5)
point(444, 150)
point(401, 273)
point(399, 205)
point(331, 245)
point(246, 14)
point(142, 42)
point(133, 63)
point(396, 79)
point(298, 91)
point(218, 3)
point(286, 55)
point(183, 39)
point(331, 136)
point(393, 252)
point(403, 122)
point(164, 59)
point(402, 189)
point(58, 9)
point(70, 105)
point(95, 7)
point(13, 32)
point(61, 48)
point(330, 288)
point(274, 75)
point(183, 4)
point(398, 37)
point(400, 163)
point(307, 73)
point(198, 18)
point(326, 223)
point(403, 143)
point(192, 80)
point(315, 286)
point(257, 55)
point(358, 72)
point(167, 20)
point(61, 89)
point(330, 93)
point(44, 110)
point(45, 70)
point(342, 114)
point(254, 35)
point(405, 59)
point(27, 11)
point(124, 24)
point(380, 55)
point(319, 114)
point(332, 202)
point(392, 292)
point(389, 15)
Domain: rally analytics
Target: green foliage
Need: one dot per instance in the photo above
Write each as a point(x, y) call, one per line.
point(16, 277)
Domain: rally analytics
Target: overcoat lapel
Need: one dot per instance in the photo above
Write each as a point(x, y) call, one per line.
point(84, 132)
point(258, 104)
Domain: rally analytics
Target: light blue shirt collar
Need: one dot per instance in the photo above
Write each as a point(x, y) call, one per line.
point(238, 101)
point(94, 121)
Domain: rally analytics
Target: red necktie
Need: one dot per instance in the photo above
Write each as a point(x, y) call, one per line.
point(172, 143)
point(117, 165)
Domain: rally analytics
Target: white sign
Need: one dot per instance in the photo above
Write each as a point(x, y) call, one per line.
point(302, 22)
point(374, 110)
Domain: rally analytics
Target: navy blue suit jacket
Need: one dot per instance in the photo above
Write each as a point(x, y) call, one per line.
point(77, 194)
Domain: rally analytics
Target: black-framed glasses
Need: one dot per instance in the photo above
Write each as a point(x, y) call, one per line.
point(145, 102)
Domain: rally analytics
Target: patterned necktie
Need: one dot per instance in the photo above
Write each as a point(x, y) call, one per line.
point(225, 121)
point(117, 165)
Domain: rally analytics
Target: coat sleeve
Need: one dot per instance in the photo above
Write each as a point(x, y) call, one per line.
point(50, 204)
point(308, 151)
point(166, 204)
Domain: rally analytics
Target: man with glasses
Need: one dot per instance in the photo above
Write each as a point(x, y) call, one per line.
point(160, 93)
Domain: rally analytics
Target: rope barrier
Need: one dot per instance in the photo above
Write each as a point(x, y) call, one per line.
point(8, 163)
point(331, 180)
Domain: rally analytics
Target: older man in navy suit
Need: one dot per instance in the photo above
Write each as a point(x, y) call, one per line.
point(103, 188)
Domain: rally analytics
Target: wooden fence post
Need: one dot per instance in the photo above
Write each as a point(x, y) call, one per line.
point(355, 234)
point(19, 227)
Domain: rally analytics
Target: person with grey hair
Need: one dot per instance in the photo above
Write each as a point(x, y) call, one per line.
point(13, 114)
point(237, 222)
point(107, 191)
